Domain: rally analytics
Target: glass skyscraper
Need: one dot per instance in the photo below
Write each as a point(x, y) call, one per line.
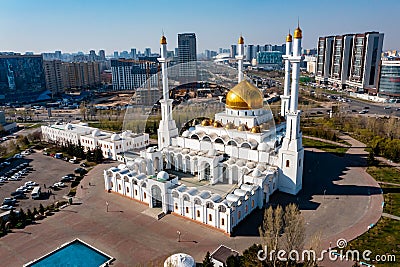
point(389, 79)
point(22, 78)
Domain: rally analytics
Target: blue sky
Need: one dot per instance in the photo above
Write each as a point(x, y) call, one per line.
point(81, 25)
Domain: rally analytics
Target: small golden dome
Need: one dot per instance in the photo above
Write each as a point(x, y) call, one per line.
point(163, 40)
point(229, 126)
point(217, 124)
point(255, 129)
point(298, 34)
point(289, 38)
point(241, 40)
point(205, 122)
point(244, 96)
point(243, 128)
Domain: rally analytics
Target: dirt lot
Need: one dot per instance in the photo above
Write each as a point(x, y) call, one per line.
point(46, 171)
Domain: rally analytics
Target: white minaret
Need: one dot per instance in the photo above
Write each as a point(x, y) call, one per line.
point(291, 154)
point(239, 58)
point(286, 90)
point(167, 128)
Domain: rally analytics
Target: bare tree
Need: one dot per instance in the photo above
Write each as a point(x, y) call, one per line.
point(314, 245)
point(294, 229)
point(271, 230)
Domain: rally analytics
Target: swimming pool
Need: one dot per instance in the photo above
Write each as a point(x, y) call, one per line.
point(75, 253)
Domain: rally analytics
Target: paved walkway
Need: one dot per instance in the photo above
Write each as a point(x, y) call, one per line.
point(388, 162)
point(387, 183)
point(390, 216)
point(338, 198)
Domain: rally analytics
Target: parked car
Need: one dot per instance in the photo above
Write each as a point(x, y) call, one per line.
point(59, 184)
point(80, 171)
point(387, 107)
point(6, 207)
point(9, 201)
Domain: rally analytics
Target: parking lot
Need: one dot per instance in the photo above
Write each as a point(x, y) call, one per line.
point(45, 171)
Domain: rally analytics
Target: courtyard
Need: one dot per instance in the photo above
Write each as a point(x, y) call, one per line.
point(338, 198)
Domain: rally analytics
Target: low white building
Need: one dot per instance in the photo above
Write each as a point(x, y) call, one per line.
point(111, 144)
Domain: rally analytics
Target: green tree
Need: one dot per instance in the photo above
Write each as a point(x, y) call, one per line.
point(29, 214)
point(207, 262)
point(250, 258)
point(97, 155)
point(22, 217)
point(41, 209)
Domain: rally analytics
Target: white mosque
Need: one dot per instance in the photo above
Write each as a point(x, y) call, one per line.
point(235, 158)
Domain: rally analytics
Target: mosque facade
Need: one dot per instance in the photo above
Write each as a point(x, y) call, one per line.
point(235, 158)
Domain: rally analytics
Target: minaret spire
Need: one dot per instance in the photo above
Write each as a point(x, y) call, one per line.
point(239, 57)
point(167, 128)
point(291, 153)
point(286, 90)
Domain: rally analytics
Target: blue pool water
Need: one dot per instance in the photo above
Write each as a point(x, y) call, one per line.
point(75, 254)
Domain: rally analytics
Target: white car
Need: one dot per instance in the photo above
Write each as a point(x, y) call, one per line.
point(25, 153)
point(30, 183)
point(59, 184)
point(6, 207)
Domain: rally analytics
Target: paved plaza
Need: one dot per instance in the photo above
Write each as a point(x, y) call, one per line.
point(338, 198)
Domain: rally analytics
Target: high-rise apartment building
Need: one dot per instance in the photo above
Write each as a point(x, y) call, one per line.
point(81, 75)
point(133, 53)
point(102, 55)
point(53, 76)
point(187, 56)
point(350, 60)
point(22, 77)
point(389, 78)
point(233, 51)
point(129, 74)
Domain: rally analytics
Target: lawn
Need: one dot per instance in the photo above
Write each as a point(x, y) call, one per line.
point(384, 173)
point(331, 148)
point(382, 239)
point(392, 199)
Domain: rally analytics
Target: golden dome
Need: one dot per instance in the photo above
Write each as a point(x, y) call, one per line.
point(244, 96)
point(243, 128)
point(217, 124)
point(163, 40)
point(241, 40)
point(289, 38)
point(256, 129)
point(205, 122)
point(229, 125)
point(298, 34)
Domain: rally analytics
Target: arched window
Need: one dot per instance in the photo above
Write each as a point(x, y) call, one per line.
point(209, 217)
point(135, 192)
point(222, 221)
point(119, 187)
point(187, 209)
point(127, 189)
point(246, 209)
point(176, 206)
point(198, 213)
point(299, 162)
point(287, 164)
point(144, 195)
point(252, 203)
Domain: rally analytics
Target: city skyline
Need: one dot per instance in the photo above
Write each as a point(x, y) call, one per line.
point(72, 26)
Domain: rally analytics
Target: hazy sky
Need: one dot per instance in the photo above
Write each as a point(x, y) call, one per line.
point(81, 25)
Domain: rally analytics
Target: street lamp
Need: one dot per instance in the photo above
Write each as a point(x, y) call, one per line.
point(179, 236)
point(107, 205)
